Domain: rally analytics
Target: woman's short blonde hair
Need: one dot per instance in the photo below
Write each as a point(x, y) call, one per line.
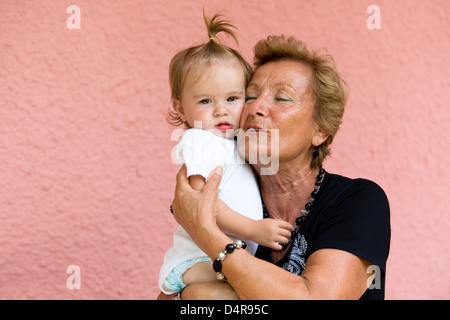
point(327, 85)
point(187, 62)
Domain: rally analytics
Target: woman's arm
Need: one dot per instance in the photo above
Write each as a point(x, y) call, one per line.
point(329, 273)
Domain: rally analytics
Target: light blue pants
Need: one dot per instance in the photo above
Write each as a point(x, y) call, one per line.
point(174, 280)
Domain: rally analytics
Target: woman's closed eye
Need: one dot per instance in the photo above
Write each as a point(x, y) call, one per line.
point(247, 98)
point(282, 96)
point(282, 99)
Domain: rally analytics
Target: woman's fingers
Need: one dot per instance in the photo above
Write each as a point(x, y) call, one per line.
point(182, 179)
point(209, 193)
point(213, 181)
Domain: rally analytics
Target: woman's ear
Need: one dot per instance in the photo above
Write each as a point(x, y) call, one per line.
point(179, 109)
point(319, 137)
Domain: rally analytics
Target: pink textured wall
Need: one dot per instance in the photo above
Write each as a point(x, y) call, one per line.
point(86, 177)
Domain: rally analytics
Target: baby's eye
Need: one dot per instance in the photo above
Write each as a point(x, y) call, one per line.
point(205, 101)
point(232, 99)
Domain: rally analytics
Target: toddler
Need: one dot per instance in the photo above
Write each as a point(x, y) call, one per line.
point(208, 93)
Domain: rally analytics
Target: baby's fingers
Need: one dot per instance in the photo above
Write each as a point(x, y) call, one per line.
point(278, 246)
point(285, 225)
point(279, 242)
point(285, 229)
point(283, 235)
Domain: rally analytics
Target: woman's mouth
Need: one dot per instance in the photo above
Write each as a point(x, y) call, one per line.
point(254, 129)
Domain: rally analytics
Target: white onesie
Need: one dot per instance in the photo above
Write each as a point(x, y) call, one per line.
point(202, 151)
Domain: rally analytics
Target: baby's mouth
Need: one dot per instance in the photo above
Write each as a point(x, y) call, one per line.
point(224, 125)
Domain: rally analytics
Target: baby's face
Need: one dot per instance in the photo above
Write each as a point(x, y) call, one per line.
point(214, 101)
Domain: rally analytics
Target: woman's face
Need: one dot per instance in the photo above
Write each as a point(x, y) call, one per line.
point(279, 101)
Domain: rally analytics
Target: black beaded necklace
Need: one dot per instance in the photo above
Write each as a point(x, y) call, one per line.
point(303, 213)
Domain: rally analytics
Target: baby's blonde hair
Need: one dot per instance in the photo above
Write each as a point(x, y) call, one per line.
point(186, 62)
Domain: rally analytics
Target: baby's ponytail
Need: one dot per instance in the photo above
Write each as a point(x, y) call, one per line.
point(216, 24)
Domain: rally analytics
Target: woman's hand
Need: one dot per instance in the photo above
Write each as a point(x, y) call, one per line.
point(197, 211)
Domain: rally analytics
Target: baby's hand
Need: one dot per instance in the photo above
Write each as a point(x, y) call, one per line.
point(271, 233)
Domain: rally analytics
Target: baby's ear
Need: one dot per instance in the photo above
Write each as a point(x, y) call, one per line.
point(179, 109)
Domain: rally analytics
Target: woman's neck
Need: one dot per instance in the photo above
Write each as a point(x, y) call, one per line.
point(286, 192)
point(285, 195)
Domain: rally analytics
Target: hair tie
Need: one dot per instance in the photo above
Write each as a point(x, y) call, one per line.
point(212, 38)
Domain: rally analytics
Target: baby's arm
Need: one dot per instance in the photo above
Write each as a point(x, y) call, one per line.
point(196, 182)
point(271, 233)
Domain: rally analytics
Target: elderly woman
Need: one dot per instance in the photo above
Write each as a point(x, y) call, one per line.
point(340, 243)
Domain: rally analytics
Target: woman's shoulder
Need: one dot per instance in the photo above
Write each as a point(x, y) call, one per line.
point(354, 196)
point(338, 184)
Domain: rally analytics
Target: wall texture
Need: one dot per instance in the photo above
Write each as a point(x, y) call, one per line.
point(86, 177)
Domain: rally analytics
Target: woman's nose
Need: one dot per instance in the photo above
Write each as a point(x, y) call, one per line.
point(258, 107)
